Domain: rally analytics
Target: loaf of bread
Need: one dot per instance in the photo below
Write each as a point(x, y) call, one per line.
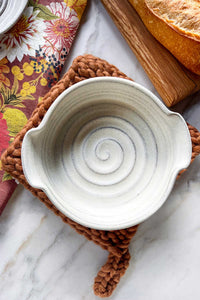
point(176, 25)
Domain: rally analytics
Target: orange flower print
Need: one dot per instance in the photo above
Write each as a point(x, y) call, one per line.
point(4, 69)
point(77, 5)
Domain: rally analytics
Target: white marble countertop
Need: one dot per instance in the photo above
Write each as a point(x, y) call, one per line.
point(42, 258)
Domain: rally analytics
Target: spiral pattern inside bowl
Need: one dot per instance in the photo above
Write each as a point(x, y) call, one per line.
point(104, 151)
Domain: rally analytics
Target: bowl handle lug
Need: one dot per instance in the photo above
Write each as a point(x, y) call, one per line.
point(31, 161)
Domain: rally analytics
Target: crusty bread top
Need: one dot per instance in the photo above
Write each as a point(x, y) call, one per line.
point(182, 15)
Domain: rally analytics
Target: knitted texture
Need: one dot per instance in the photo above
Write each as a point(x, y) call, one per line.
point(115, 242)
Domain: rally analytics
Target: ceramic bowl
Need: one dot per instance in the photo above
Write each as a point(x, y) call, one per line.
point(107, 153)
point(10, 12)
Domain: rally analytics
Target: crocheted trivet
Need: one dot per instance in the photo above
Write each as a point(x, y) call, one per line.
point(116, 242)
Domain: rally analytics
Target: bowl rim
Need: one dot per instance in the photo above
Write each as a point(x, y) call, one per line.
point(173, 173)
point(8, 22)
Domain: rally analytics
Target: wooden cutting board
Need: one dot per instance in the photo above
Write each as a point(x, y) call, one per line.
point(172, 81)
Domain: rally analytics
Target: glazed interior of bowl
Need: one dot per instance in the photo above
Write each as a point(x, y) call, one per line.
point(107, 153)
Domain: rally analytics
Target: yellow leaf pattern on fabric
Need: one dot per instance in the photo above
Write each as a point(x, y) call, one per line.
point(77, 5)
point(6, 176)
point(4, 69)
point(15, 119)
point(14, 96)
point(40, 99)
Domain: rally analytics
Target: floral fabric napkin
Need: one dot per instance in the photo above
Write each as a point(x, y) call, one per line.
point(32, 54)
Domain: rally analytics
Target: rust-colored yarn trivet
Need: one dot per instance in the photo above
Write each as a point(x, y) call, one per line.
point(115, 242)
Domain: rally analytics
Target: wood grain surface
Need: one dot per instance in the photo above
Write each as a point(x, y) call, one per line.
point(172, 81)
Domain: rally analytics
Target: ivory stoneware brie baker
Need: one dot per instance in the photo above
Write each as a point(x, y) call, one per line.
point(106, 153)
